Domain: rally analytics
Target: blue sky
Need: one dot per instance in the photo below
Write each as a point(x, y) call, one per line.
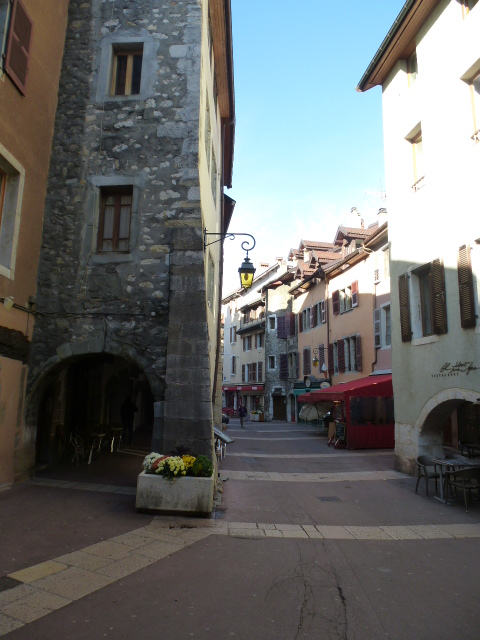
point(308, 147)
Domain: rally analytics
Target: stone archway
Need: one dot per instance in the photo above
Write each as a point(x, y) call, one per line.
point(425, 437)
point(80, 394)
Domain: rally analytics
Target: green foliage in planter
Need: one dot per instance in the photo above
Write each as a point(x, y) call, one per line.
point(202, 467)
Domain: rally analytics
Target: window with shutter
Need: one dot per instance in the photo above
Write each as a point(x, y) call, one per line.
point(359, 353)
point(314, 321)
point(465, 288)
point(355, 293)
point(291, 330)
point(281, 331)
point(404, 301)
point(283, 366)
point(234, 365)
point(323, 315)
point(439, 297)
point(126, 70)
point(114, 224)
point(19, 46)
point(336, 302)
point(260, 371)
point(321, 356)
point(297, 364)
point(377, 332)
point(243, 373)
point(307, 365)
point(300, 322)
point(330, 360)
point(341, 356)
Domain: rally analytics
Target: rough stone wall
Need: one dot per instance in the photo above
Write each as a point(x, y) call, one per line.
point(153, 299)
point(278, 302)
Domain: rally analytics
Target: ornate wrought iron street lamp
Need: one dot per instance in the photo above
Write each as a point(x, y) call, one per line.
point(247, 270)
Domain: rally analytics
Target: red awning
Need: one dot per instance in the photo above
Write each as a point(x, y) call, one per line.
point(371, 386)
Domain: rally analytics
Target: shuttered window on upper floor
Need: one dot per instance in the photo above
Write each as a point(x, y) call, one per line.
point(19, 42)
point(465, 288)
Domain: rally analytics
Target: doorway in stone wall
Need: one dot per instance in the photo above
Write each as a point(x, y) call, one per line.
point(279, 408)
point(83, 400)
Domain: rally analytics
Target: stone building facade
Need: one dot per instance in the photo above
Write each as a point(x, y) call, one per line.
point(128, 296)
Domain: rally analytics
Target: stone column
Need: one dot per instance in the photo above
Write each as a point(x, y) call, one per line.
point(188, 426)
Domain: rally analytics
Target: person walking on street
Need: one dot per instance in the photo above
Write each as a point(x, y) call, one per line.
point(242, 412)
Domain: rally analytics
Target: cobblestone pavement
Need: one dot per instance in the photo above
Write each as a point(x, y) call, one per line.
point(356, 548)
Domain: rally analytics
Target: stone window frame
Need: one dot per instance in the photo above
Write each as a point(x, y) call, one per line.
point(93, 204)
point(107, 45)
point(11, 211)
point(270, 368)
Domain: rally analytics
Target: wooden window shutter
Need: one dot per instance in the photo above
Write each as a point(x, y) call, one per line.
point(465, 288)
point(290, 324)
point(281, 331)
point(439, 298)
point(283, 366)
point(314, 316)
point(358, 353)
point(341, 355)
point(336, 302)
point(355, 293)
point(307, 366)
point(322, 312)
point(243, 373)
point(377, 333)
point(330, 360)
point(244, 342)
point(260, 371)
point(297, 365)
point(19, 45)
point(300, 322)
point(321, 356)
point(404, 301)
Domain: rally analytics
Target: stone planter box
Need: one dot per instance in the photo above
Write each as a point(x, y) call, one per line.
point(186, 495)
point(254, 417)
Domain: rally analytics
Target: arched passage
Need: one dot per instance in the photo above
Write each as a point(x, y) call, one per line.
point(84, 394)
point(447, 418)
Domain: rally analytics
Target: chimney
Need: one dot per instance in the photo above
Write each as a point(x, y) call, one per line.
point(362, 224)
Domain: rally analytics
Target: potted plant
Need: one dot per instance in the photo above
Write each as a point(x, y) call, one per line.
point(175, 484)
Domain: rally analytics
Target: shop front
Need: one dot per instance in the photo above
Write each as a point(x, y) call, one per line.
point(252, 396)
point(363, 411)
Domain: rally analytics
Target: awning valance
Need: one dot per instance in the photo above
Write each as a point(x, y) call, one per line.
point(371, 386)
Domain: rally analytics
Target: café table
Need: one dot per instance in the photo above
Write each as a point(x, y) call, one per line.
point(448, 464)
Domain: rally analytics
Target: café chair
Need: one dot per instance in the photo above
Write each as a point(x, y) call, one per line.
point(424, 470)
point(467, 480)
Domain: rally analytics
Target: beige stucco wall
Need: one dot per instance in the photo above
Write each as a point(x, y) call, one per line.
point(26, 129)
point(211, 211)
point(436, 220)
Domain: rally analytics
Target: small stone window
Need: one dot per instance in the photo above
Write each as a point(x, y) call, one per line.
point(114, 224)
point(126, 70)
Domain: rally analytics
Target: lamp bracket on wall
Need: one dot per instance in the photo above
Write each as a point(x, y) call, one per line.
point(230, 236)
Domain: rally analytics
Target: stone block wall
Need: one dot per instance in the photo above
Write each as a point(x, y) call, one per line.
point(147, 306)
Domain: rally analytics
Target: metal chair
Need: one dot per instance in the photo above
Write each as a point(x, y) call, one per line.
point(466, 479)
point(423, 465)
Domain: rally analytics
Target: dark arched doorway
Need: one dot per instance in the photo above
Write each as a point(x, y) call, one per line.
point(85, 396)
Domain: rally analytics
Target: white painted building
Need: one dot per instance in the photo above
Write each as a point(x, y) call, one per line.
point(429, 69)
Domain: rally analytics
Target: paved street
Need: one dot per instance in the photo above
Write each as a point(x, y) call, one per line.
point(308, 542)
